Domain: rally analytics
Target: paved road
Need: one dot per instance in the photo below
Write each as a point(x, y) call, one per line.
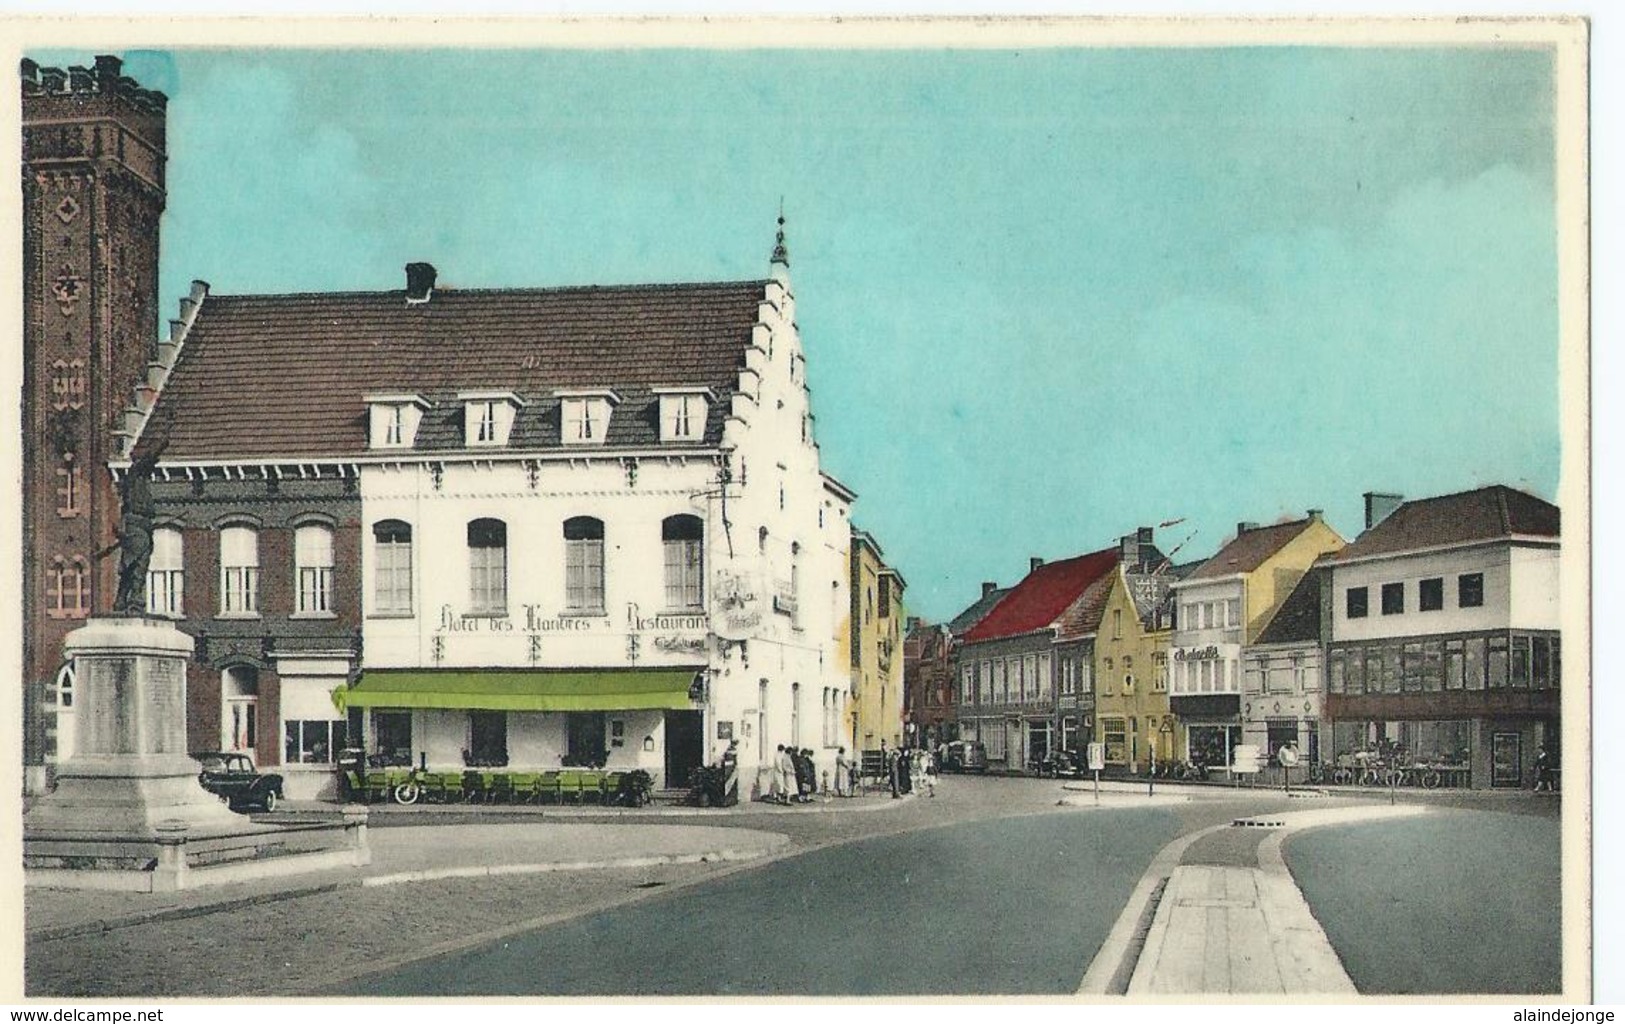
point(1017, 906)
point(1450, 902)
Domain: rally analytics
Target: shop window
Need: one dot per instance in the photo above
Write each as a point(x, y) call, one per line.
point(1520, 663)
point(681, 537)
point(1540, 676)
point(1393, 598)
point(1473, 663)
point(392, 736)
point(166, 573)
point(1336, 664)
point(488, 567)
point(312, 742)
point(1391, 674)
point(1454, 664)
point(584, 565)
point(1358, 670)
point(239, 571)
point(1114, 733)
point(392, 572)
point(313, 559)
point(487, 739)
point(1356, 600)
point(1432, 665)
point(1557, 663)
point(1470, 590)
point(1430, 594)
point(1498, 663)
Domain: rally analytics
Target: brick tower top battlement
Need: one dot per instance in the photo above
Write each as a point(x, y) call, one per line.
point(55, 98)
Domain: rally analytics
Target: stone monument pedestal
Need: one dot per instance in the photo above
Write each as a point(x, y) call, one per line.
point(128, 812)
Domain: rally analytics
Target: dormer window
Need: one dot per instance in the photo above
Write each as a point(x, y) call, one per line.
point(585, 415)
point(683, 412)
point(394, 420)
point(488, 417)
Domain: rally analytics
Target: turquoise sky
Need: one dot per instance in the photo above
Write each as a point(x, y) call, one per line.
point(1046, 296)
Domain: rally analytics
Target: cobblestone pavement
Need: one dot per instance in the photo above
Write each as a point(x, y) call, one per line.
point(296, 945)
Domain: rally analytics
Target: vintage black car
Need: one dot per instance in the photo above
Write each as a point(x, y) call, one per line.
point(964, 756)
point(233, 778)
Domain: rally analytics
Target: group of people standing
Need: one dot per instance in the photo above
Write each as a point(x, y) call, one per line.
point(795, 777)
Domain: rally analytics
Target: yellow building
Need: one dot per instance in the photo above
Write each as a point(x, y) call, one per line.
point(1132, 714)
point(1221, 608)
point(875, 633)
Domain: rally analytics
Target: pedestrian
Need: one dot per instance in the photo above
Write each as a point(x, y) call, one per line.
point(925, 778)
point(843, 773)
point(780, 783)
point(807, 761)
point(890, 757)
point(1543, 772)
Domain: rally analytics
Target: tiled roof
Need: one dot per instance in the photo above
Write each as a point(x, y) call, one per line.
point(275, 376)
point(1038, 601)
point(1298, 618)
point(1487, 513)
point(1249, 550)
point(1082, 617)
point(962, 622)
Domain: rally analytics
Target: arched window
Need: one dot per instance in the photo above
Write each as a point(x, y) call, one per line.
point(239, 707)
point(166, 573)
point(488, 567)
point(313, 561)
point(584, 565)
point(682, 537)
point(392, 572)
point(239, 570)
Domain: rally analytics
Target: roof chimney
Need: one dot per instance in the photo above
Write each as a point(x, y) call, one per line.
point(1243, 526)
point(988, 587)
point(1033, 563)
point(419, 282)
point(1316, 514)
point(1128, 549)
point(1379, 506)
point(1146, 534)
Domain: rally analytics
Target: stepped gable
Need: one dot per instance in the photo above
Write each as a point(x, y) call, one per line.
point(287, 376)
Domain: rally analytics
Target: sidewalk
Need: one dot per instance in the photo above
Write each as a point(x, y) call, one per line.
point(1237, 930)
point(404, 853)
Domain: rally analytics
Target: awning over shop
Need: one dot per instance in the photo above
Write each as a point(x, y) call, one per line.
point(533, 690)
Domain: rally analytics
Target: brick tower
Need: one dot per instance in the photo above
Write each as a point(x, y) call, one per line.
point(93, 192)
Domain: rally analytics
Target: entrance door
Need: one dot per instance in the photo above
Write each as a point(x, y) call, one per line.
point(586, 739)
point(1506, 759)
point(685, 745)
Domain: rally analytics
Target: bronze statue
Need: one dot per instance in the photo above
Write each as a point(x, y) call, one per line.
point(136, 521)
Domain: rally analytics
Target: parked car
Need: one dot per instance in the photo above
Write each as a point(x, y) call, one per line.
point(233, 778)
point(1063, 764)
point(965, 756)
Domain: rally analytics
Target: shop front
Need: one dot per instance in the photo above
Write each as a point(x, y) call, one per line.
point(1212, 726)
point(529, 721)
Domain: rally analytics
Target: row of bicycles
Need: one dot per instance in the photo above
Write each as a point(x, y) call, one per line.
point(1365, 770)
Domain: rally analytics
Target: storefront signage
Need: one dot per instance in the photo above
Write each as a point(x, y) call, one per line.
point(738, 601)
point(1208, 653)
point(784, 599)
point(680, 644)
point(639, 623)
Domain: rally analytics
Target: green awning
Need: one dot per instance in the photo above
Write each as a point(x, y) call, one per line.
point(507, 690)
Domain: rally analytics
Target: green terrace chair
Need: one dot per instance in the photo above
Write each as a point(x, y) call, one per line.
point(548, 787)
point(501, 788)
point(473, 783)
point(610, 786)
point(444, 787)
point(524, 787)
point(572, 783)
